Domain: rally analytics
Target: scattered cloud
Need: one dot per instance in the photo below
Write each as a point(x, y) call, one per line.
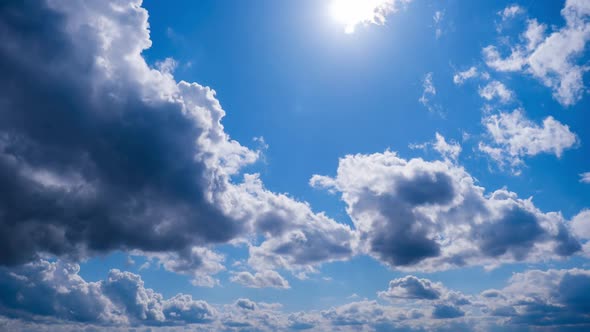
point(514, 137)
point(510, 12)
point(585, 177)
point(550, 58)
point(264, 279)
point(498, 90)
point(428, 93)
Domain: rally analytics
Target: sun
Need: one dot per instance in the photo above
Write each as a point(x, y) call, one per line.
point(350, 13)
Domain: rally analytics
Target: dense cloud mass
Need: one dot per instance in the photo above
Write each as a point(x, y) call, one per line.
point(111, 154)
point(417, 214)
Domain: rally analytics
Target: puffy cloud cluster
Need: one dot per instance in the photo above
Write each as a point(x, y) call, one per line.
point(553, 298)
point(101, 152)
point(51, 296)
point(55, 290)
point(515, 137)
point(550, 58)
point(430, 215)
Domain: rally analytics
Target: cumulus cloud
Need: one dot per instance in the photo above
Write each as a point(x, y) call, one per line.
point(514, 137)
point(496, 90)
point(263, 279)
point(112, 154)
point(580, 225)
point(56, 291)
point(51, 296)
point(411, 287)
point(553, 298)
point(550, 58)
point(430, 215)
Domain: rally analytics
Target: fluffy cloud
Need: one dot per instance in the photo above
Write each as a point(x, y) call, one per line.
point(497, 90)
point(460, 77)
point(514, 137)
point(411, 287)
point(53, 297)
point(261, 279)
point(430, 215)
point(56, 291)
point(553, 298)
point(551, 58)
point(100, 152)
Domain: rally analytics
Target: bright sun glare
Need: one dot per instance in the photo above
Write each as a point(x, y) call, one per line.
point(353, 12)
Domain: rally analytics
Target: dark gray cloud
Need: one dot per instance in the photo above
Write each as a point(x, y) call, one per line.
point(445, 311)
point(93, 163)
point(100, 152)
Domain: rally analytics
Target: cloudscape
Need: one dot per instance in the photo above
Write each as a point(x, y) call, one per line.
point(296, 165)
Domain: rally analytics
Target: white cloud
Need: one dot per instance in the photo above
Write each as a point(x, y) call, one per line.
point(421, 216)
point(428, 93)
point(352, 13)
point(496, 89)
point(580, 225)
point(585, 177)
point(438, 18)
point(510, 11)
point(551, 59)
point(514, 137)
point(261, 279)
point(460, 77)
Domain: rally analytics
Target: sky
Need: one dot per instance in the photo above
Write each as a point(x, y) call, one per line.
point(294, 165)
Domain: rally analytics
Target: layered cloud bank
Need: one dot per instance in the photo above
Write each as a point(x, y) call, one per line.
point(53, 297)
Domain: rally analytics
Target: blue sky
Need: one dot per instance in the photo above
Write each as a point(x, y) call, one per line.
point(384, 165)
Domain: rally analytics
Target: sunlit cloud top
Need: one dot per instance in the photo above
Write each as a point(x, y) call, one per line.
point(351, 13)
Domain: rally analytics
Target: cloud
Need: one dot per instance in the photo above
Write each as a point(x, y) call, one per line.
point(551, 58)
point(438, 18)
point(428, 93)
point(553, 298)
point(515, 137)
point(430, 215)
point(580, 225)
point(510, 12)
point(444, 311)
point(56, 290)
point(411, 287)
point(262, 279)
point(101, 152)
point(585, 177)
point(462, 76)
point(497, 90)
point(352, 13)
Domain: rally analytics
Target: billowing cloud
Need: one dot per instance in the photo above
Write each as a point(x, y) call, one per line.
point(430, 215)
point(56, 291)
point(515, 137)
point(111, 154)
point(411, 287)
point(550, 58)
